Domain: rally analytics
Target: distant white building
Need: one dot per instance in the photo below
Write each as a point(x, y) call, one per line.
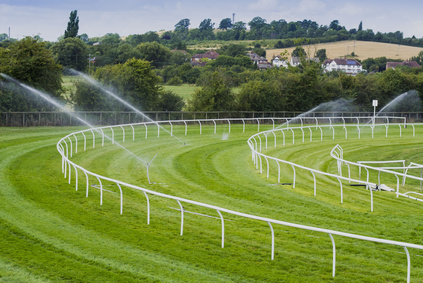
point(349, 66)
point(295, 61)
point(279, 62)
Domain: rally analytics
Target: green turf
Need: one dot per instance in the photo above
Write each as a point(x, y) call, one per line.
point(50, 232)
point(186, 91)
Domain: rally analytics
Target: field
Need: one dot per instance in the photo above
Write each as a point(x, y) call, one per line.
point(186, 91)
point(362, 50)
point(51, 232)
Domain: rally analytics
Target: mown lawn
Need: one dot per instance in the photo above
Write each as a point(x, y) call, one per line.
point(51, 232)
point(186, 91)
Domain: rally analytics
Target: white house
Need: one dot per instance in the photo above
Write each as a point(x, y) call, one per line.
point(295, 61)
point(349, 66)
point(279, 62)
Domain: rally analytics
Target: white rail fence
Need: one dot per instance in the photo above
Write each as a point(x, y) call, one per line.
point(66, 149)
point(379, 170)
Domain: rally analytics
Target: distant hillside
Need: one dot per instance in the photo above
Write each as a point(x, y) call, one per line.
point(362, 50)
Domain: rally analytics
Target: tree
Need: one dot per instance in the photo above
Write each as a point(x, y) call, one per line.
point(73, 25)
point(168, 101)
point(215, 95)
point(233, 50)
point(239, 26)
point(72, 53)
point(230, 61)
point(259, 96)
point(32, 63)
point(88, 97)
point(3, 37)
point(360, 26)
point(182, 25)
point(260, 51)
point(418, 58)
point(84, 37)
point(135, 81)
point(206, 25)
point(335, 25)
point(179, 57)
point(257, 23)
point(126, 51)
point(321, 54)
point(151, 36)
point(225, 24)
point(299, 52)
point(154, 52)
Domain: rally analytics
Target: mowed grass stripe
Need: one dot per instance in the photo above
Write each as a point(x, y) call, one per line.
point(82, 227)
point(35, 200)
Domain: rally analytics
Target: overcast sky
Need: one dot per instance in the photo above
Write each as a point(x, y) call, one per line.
point(48, 18)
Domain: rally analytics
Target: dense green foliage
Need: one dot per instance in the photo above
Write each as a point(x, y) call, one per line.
point(168, 54)
point(73, 25)
point(135, 81)
point(216, 94)
point(71, 53)
point(305, 87)
point(28, 61)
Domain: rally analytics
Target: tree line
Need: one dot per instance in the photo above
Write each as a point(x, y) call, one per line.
point(136, 67)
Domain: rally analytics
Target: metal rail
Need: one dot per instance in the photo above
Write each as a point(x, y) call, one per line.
point(67, 165)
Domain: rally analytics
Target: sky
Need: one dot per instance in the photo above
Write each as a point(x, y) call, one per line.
point(49, 18)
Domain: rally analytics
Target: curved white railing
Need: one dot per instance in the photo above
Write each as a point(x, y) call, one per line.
point(379, 170)
point(65, 148)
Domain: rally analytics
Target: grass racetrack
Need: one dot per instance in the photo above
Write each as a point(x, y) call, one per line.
point(51, 232)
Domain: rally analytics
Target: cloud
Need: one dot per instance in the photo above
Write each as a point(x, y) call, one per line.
point(311, 6)
point(352, 9)
point(263, 5)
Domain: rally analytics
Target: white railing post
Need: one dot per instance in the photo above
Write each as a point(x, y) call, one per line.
point(133, 132)
point(71, 146)
point(113, 135)
point(87, 182)
point(123, 133)
point(408, 264)
point(101, 191)
point(182, 217)
point(148, 207)
point(333, 255)
point(273, 241)
point(85, 141)
point(223, 228)
point(121, 198)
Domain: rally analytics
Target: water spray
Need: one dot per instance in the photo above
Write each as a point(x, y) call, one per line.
point(148, 165)
point(52, 101)
point(127, 104)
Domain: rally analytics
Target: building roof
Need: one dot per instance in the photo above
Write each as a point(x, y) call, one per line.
point(211, 54)
point(342, 61)
point(197, 56)
point(411, 64)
